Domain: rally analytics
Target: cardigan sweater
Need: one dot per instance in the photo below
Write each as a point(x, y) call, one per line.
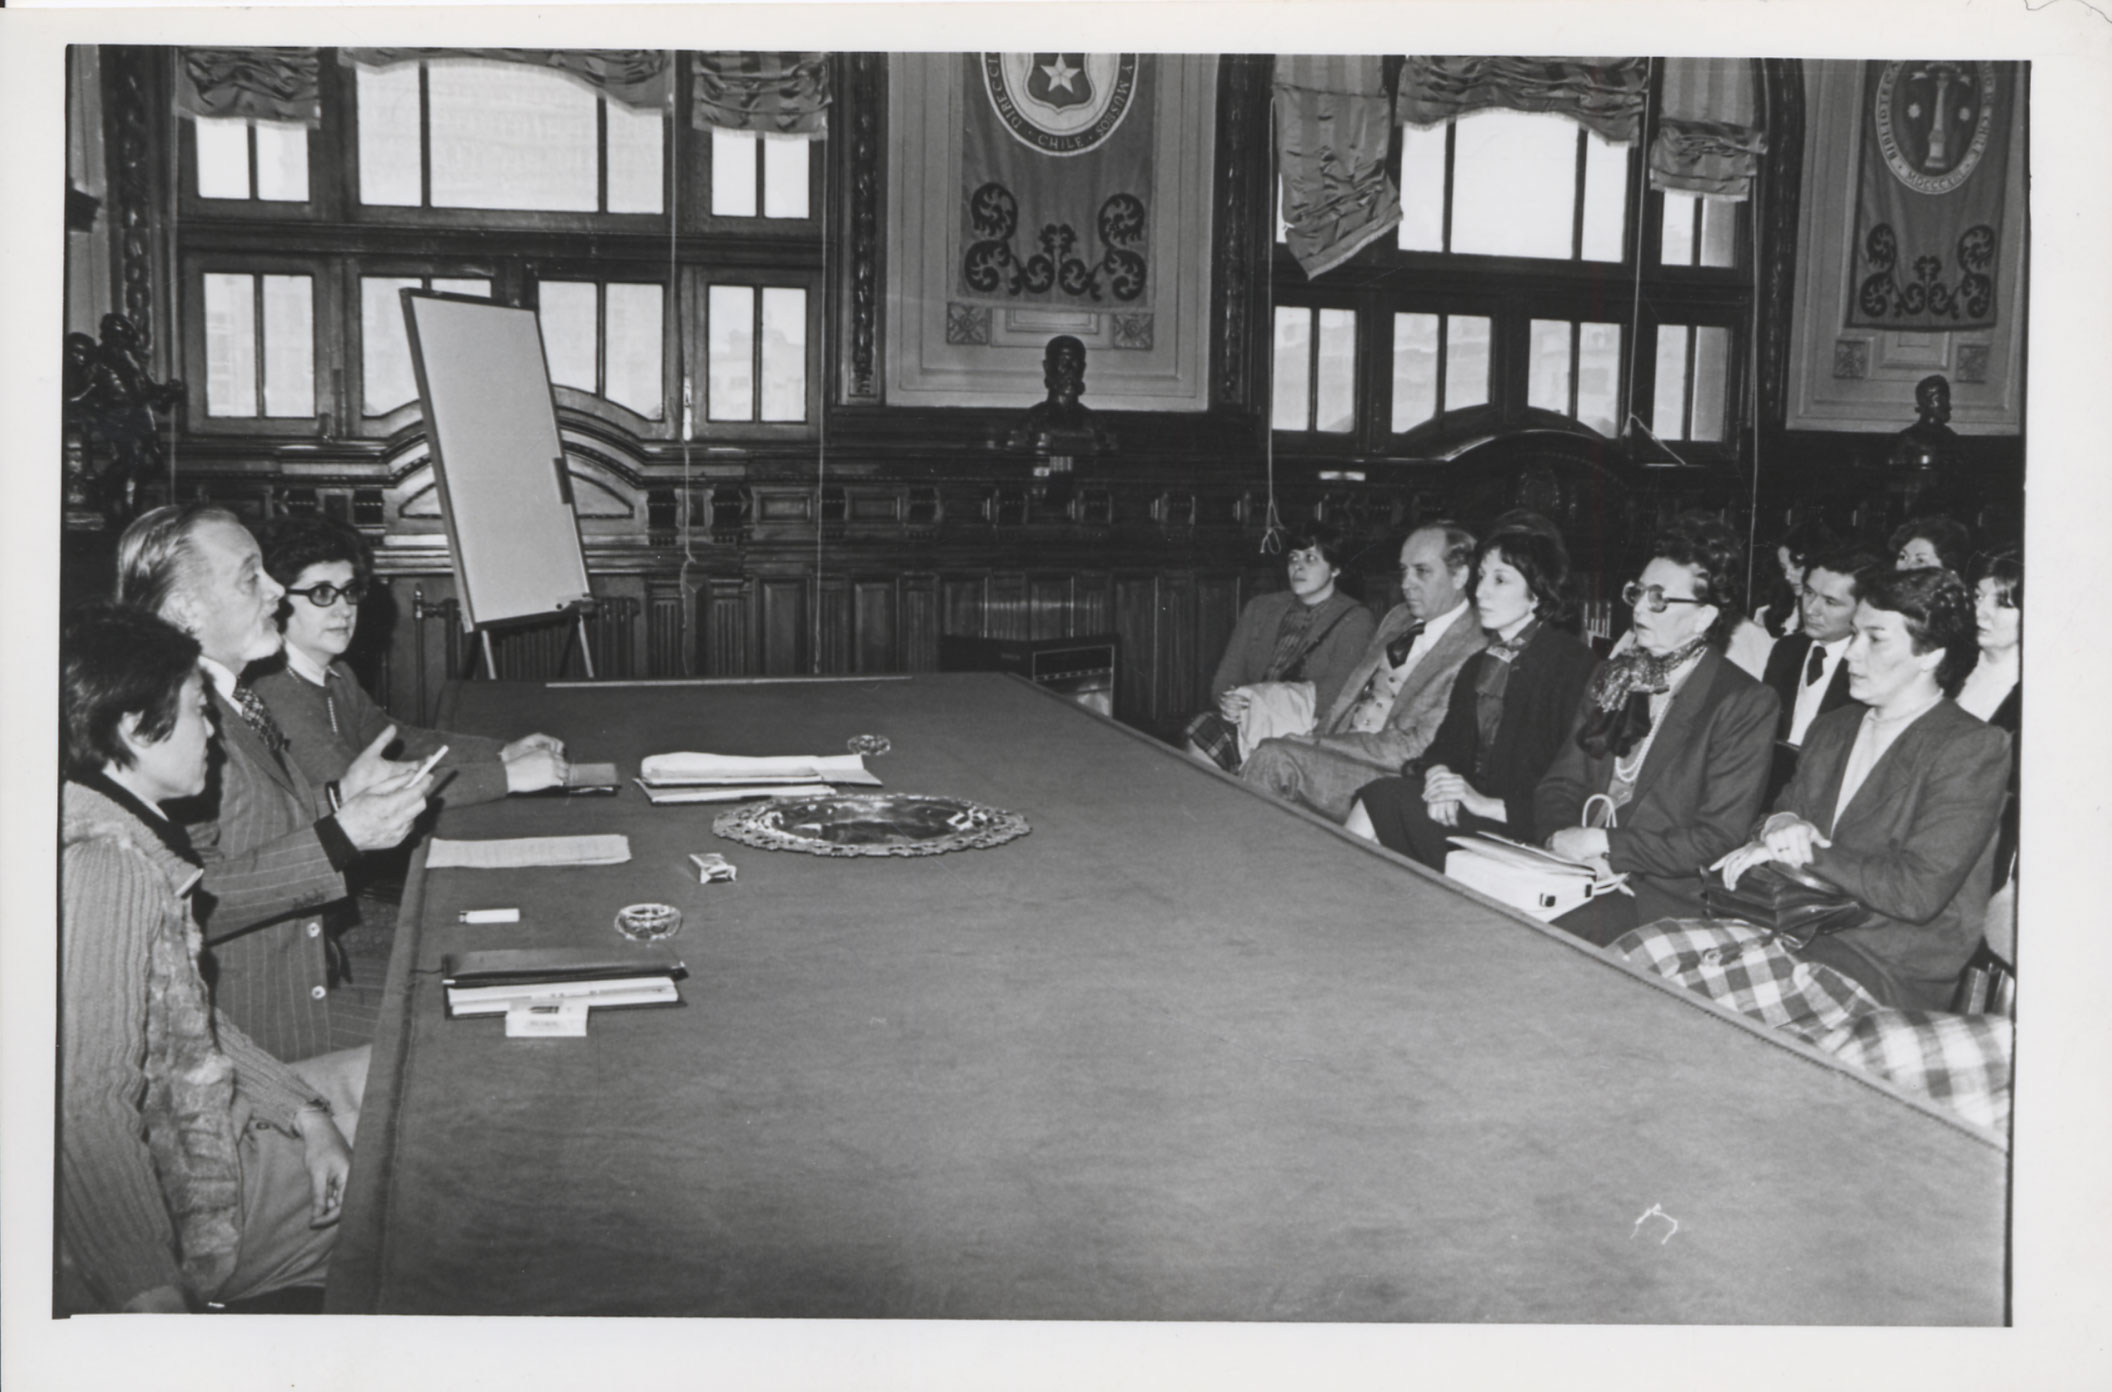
point(126, 902)
point(327, 727)
point(1345, 625)
point(1540, 701)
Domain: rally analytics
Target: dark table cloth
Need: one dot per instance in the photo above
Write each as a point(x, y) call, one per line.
point(1179, 1053)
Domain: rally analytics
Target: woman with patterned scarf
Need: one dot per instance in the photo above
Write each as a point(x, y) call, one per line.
point(193, 1166)
point(1669, 762)
point(1511, 707)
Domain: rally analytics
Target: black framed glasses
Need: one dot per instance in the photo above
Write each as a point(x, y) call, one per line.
point(325, 594)
point(1634, 594)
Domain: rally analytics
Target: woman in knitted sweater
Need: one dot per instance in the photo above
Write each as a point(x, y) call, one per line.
point(193, 1166)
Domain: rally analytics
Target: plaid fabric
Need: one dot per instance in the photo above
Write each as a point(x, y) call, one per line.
point(1752, 972)
point(1217, 737)
point(1957, 1061)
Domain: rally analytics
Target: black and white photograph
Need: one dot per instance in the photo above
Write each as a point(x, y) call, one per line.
point(976, 706)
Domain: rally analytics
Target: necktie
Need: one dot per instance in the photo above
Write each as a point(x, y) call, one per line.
point(258, 717)
point(1397, 650)
point(1816, 667)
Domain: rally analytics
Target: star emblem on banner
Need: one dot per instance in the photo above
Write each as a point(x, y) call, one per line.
point(1060, 74)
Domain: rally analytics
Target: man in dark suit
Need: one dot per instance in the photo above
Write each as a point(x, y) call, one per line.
point(275, 845)
point(1807, 669)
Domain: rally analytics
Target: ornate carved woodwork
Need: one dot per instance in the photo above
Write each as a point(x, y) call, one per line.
point(863, 98)
point(1780, 193)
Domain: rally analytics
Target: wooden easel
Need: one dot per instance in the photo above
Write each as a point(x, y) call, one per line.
point(578, 629)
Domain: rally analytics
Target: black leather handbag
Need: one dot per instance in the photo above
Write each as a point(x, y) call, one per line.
point(1793, 903)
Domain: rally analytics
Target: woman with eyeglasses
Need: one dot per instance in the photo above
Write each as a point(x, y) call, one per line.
point(1669, 757)
point(328, 718)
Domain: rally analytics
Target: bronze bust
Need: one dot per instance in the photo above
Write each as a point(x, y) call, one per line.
point(1929, 443)
point(1061, 425)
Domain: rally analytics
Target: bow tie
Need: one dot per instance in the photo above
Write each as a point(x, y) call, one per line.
point(257, 716)
point(1397, 650)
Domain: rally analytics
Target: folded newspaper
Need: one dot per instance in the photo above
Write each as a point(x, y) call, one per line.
point(731, 770)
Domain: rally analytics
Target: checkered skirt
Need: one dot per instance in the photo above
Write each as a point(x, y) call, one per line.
point(1958, 1061)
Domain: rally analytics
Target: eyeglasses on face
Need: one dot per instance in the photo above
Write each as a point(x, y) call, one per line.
point(325, 594)
point(1634, 594)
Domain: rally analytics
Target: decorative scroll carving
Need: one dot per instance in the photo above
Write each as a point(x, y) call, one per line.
point(1781, 185)
point(133, 186)
point(865, 93)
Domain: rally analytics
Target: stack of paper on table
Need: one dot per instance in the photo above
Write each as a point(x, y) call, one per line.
point(520, 852)
point(492, 982)
point(687, 777)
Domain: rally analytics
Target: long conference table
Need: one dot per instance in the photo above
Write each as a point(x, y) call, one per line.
point(1179, 1053)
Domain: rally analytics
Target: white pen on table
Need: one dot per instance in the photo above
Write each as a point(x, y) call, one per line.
point(488, 916)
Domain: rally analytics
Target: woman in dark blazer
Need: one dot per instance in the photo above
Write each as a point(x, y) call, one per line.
point(1310, 632)
point(1511, 705)
point(1677, 739)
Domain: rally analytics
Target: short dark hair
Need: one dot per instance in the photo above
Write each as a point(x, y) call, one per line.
point(1807, 539)
point(292, 544)
point(1953, 540)
point(154, 555)
point(2006, 568)
point(1939, 614)
point(1541, 560)
point(1705, 542)
point(1459, 542)
point(1854, 562)
point(1317, 536)
point(116, 661)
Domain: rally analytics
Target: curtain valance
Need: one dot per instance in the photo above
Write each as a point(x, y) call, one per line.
point(1601, 94)
point(261, 84)
point(1332, 136)
point(1709, 139)
point(635, 77)
point(772, 93)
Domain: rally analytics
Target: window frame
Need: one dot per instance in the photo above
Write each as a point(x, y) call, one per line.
point(586, 403)
point(358, 268)
point(326, 326)
point(696, 281)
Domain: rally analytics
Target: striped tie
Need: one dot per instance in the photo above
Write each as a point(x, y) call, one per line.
point(258, 717)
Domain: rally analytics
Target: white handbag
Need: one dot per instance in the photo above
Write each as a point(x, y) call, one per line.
point(1530, 879)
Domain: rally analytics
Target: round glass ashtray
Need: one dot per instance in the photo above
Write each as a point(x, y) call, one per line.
point(870, 824)
point(648, 922)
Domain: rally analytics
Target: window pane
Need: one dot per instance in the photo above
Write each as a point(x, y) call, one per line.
point(1671, 382)
point(289, 345)
point(1293, 374)
point(230, 345)
point(479, 286)
point(1422, 189)
point(1337, 395)
point(784, 355)
point(223, 158)
point(1605, 199)
point(634, 344)
point(1712, 365)
point(785, 177)
point(386, 378)
point(729, 352)
point(1466, 361)
point(733, 159)
point(507, 136)
point(565, 309)
point(1547, 385)
point(388, 135)
point(1282, 228)
point(634, 159)
point(1679, 231)
point(1719, 232)
point(1514, 184)
point(1414, 370)
point(1599, 377)
point(282, 162)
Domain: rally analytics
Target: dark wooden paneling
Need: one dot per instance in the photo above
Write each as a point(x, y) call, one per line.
point(784, 625)
point(1049, 606)
point(873, 612)
point(1005, 606)
point(1136, 616)
point(729, 648)
point(1217, 603)
point(961, 607)
point(920, 623)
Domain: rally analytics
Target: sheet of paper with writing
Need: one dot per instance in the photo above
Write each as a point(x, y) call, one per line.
point(514, 853)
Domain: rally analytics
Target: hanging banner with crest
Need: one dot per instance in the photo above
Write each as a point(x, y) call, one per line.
point(1928, 219)
point(1056, 180)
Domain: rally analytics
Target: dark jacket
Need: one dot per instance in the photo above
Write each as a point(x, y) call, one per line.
point(1700, 789)
point(1540, 703)
point(1914, 846)
point(1341, 628)
point(1785, 674)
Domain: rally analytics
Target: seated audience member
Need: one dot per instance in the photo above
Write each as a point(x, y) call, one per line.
point(1782, 614)
point(193, 1166)
point(1395, 697)
point(1932, 540)
point(1673, 736)
point(1994, 691)
point(274, 842)
point(1896, 801)
point(1310, 633)
point(328, 718)
point(1511, 706)
point(1807, 669)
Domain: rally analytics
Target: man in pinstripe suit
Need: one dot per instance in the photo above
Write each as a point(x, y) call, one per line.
point(275, 845)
